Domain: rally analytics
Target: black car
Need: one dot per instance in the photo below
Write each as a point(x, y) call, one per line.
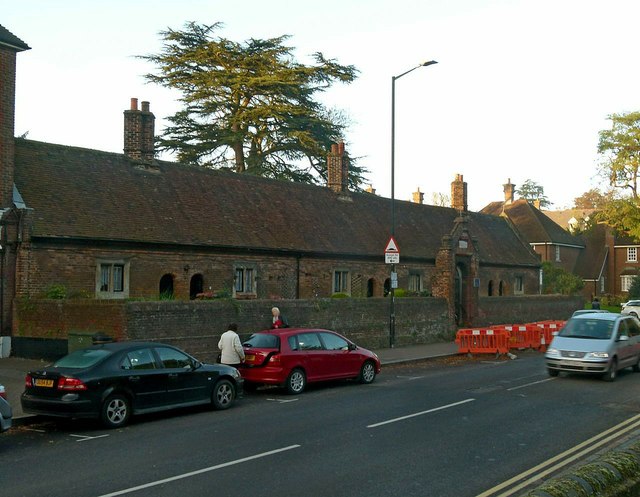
point(112, 381)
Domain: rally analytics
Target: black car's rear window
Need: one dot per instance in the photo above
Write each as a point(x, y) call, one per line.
point(81, 359)
point(263, 341)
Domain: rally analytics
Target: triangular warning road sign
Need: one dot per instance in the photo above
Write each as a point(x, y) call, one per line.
point(391, 246)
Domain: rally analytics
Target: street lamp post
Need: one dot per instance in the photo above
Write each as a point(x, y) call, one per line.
point(392, 314)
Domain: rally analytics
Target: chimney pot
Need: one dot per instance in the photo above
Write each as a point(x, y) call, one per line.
point(145, 106)
point(134, 104)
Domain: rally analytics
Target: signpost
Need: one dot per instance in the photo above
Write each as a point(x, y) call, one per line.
point(392, 256)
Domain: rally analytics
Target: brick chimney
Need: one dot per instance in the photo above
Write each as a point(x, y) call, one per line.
point(139, 132)
point(459, 194)
point(338, 169)
point(418, 197)
point(509, 192)
point(370, 189)
point(10, 45)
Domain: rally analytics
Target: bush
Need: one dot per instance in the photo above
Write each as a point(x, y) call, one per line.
point(56, 292)
point(340, 295)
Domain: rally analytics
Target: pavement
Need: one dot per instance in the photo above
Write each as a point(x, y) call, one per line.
point(14, 369)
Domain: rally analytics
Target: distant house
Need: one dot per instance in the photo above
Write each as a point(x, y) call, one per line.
point(115, 226)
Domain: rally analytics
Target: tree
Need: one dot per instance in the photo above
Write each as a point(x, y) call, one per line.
point(249, 107)
point(634, 288)
point(440, 199)
point(557, 280)
point(619, 148)
point(592, 199)
point(620, 151)
point(532, 191)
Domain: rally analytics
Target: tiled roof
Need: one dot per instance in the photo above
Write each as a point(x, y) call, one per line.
point(591, 260)
point(82, 193)
point(534, 225)
point(8, 39)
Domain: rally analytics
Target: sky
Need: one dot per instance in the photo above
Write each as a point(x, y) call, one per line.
point(520, 91)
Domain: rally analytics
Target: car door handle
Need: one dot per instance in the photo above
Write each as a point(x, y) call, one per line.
point(173, 375)
point(134, 378)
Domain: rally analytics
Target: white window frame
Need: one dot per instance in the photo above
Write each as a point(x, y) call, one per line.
point(632, 254)
point(341, 281)
point(518, 285)
point(557, 253)
point(244, 280)
point(625, 282)
point(114, 270)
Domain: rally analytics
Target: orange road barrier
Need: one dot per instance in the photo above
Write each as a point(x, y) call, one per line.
point(548, 330)
point(482, 341)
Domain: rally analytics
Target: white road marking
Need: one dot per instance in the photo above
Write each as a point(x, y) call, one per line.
point(410, 378)
point(199, 471)
point(84, 438)
point(529, 384)
point(402, 418)
point(591, 445)
point(283, 401)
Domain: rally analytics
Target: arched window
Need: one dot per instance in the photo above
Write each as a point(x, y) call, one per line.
point(196, 286)
point(370, 287)
point(387, 287)
point(490, 288)
point(166, 287)
point(501, 288)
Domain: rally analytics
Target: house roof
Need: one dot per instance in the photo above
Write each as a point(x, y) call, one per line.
point(8, 39)
point(564, 217)
point(534, 225)
point(86, 194)
point(591, 261)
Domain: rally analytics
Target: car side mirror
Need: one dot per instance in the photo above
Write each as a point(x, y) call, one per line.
point(352, 346)
point(623, 338)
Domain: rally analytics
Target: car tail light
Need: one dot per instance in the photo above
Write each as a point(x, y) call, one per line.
point(274, 360)
point(28, 381)
point(67, 383)
point(3, 393)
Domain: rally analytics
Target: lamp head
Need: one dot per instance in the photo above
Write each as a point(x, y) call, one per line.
point(429, 63)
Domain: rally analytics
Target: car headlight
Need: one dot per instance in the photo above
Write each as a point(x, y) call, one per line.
point(551, 352)
point(598, 355)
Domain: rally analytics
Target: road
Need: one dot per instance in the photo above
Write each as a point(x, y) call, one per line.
point(456, 427)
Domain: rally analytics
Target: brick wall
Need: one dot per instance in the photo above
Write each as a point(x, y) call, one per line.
point(43, 326)
point(7, 116)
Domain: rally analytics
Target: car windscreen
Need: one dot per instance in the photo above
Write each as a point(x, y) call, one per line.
point(81, 359)
point(592, 329)
point(263, 341)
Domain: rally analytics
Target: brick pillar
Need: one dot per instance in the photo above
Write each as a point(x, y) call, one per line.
point(418, 197)
point(459, 194)
point(338, 169)
point(139, 132)
point(10, 45)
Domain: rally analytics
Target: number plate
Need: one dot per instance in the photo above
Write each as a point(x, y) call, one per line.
point(250, 357)
point(40, 382)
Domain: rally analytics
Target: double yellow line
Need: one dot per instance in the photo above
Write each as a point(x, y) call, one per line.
point(563, 459)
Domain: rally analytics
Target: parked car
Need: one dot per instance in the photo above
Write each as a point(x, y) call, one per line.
point(6, 414)
point(114, 380)
point(598, 343)
point(588, 311)
point(631, 307)
point(293, 357)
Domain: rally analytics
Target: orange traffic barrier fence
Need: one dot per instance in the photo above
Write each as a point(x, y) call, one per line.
point(548, 329)
point(482, 341)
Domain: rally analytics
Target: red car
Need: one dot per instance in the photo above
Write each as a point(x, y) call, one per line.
point(291, 357)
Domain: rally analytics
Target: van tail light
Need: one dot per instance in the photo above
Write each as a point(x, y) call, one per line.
point(72, 384)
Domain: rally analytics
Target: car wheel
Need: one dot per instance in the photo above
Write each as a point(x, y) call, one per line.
point(553, 372)
point(636, 366)
point(224, 393)
point(296, 381)
point(367, 372)
point(612, 372)
point(115, 411)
